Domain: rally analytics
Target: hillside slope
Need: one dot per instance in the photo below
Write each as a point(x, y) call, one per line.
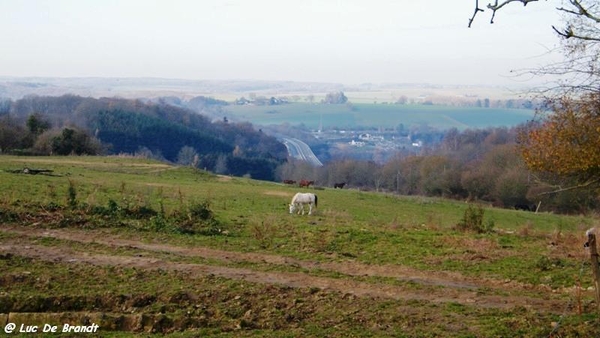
point(142, 246)
point(130, 126)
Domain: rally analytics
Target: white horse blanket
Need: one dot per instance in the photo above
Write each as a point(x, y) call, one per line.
point(300, 199)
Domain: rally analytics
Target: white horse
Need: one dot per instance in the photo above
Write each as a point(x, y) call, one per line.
point(300, 199)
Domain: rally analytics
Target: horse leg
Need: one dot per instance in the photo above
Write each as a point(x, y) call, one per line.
point(310, 209)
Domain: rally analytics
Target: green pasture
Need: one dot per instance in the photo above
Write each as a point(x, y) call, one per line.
point(379, 115)
point(369, 227)
point(115, 195)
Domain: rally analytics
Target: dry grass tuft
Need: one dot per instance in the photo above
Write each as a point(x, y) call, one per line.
point(526, 230)
point(341, 216)
point(433, 222)
point(394, 225)
point(470, 244)
point(265, 231)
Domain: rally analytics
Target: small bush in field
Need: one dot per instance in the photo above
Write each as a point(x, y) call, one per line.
point(199, 219)
point(160, 224)
point(472, 220)
point(200, 211)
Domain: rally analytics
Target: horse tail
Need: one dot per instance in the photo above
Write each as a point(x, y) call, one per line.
point(316, 199)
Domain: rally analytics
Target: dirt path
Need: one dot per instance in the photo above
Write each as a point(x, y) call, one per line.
point(447, 286)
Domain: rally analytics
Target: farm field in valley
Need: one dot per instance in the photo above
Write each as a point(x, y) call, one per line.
point(379, 115)
point(142, 247)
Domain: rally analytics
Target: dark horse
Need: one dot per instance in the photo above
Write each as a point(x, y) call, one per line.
point(289, 182)
point(305, 183)
point(525, 207)
point(339, 185)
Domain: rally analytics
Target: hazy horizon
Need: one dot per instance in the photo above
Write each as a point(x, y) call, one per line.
point(333, 41)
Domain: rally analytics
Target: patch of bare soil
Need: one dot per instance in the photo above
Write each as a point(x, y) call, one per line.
point(278, 193)
point(223, 178)
point(447, 286)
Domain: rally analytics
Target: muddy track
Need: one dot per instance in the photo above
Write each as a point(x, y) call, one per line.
point(447, 287)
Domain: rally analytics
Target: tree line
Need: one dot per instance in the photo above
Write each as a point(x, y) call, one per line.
point(484, 165)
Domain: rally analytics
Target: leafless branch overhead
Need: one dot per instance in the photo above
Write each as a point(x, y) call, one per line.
point(568, 33)
point(496, 6)
point(581, 11)
point(477, 9)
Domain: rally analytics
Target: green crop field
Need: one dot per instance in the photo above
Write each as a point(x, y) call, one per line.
point(380, 115)
point(142, 247)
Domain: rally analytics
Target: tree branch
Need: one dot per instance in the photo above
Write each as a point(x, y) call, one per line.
point(579, 186)
point(582, 11)
point(496, 6)
point(568, 33)
point(477, 9)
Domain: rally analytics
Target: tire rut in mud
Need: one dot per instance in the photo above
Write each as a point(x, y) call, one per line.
point(450, 289)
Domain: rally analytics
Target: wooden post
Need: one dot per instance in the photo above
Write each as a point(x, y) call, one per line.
point(595, 267)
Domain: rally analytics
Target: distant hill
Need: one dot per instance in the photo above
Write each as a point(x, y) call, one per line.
point(19, 87)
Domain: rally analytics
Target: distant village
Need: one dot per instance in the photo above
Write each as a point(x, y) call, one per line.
point(377, 145)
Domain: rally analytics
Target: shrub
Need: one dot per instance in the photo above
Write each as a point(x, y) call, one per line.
point(72, 195)
point(8, 215)
point(473, 221)
point(200, 210)
point(141, 212)
point(199, 219)
point(160, 224)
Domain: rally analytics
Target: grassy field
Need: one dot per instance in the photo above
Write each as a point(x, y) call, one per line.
point(378, 115)
point(140, 247)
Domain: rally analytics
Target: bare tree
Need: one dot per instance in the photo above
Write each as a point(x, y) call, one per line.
point(565, 141)
point(186, 155)
point(579, 73)
point(580, 35)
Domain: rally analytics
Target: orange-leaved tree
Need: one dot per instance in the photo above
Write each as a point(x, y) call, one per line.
point(566, 142)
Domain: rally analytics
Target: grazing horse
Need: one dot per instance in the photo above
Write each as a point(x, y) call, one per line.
point(289, 182)
point(300, 199)
point(339, 185)
point(305, 183)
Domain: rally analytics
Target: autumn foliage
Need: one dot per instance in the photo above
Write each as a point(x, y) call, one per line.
point(567, 141)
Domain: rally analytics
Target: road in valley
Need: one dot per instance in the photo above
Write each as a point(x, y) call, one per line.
point(300, 150)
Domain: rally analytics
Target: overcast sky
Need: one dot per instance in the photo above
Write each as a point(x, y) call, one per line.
point(343, 41)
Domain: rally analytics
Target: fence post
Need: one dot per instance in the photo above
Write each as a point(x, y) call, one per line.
point(595, 267)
